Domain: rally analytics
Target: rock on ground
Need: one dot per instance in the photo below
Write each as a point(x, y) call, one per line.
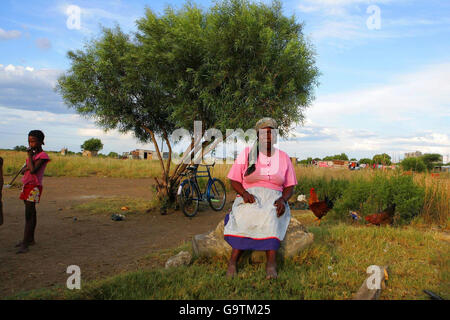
point(213, 244)
point(182, 258)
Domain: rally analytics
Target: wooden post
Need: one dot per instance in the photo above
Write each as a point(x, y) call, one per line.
point(1, 191)
point(294, 161)
point(364, 293)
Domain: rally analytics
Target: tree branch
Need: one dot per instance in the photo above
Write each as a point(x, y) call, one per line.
point(170, 152)
point(157, 151)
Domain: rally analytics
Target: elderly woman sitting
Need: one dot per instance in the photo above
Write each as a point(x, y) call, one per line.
point(264, 180)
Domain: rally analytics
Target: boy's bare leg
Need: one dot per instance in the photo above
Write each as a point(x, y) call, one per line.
point(30, 224)
point(1, 191)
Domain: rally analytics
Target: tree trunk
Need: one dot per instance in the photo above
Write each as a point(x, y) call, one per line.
point(166, 186)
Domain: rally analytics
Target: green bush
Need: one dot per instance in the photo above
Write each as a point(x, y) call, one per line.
point(368, 196)
point(408, 197)
point(332, 188)
point(413, 164)
point(372, 196)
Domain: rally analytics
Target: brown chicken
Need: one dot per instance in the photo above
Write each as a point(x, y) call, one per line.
point(319, 208)
point(383, 218)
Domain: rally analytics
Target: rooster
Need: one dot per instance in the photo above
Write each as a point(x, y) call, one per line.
point(382, 218)
point(319, 208)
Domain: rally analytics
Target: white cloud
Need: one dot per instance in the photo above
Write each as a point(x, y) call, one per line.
point(354, 144)
point(405, 96)
point(91, 18)
point(30, 89)
point(8, 35)
point(347, 20)
point(378, 117)
point(61, 130)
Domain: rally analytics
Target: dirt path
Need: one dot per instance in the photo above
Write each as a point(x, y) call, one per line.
point(99, 246)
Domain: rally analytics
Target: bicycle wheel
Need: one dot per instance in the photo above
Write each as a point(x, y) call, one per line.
point(188, 198)
point(217, 195)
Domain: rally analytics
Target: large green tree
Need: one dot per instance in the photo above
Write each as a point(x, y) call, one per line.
point(341, 156)
point(383, 159)
point(431, 159)
point(227, 66)
point(92, 144)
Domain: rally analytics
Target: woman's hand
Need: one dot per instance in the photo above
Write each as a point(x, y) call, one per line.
point(281, 206)
point(237, 186)
point(248, 197)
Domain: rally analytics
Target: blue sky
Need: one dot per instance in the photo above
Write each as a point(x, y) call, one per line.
point(383, 89)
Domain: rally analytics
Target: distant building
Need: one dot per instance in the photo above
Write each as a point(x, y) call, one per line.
point(336, 163)
point(87, 153)
point(143, 154)
point(413, 154)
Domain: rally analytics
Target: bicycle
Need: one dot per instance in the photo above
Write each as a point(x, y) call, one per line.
point(190, 195)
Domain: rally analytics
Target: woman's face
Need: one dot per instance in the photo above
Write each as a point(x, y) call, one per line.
point(267, 137)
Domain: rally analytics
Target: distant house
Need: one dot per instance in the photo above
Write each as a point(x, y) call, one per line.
point(87, 153)
point(442, 168)
point(342, 163)
point(143, 154)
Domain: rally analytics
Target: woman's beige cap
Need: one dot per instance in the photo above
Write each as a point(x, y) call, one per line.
point(266, 122)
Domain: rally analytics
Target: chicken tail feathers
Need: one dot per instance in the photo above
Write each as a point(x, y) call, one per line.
point(329, 202)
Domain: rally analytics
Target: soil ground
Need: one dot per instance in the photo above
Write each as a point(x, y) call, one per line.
point(100, 246)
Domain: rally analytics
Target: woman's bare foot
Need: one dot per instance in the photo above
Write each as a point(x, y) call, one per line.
point(271, 271)
point(23, 249)
point(20, 244)
point(232, 270)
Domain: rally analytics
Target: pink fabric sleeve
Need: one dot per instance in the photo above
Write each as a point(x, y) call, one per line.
point(42, 156)
point(290, 177)
point(239, 166)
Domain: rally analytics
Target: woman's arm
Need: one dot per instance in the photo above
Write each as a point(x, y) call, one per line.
point(237, 186)
point(281, 202)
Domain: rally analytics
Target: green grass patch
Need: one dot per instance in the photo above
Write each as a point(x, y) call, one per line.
point(334, 267)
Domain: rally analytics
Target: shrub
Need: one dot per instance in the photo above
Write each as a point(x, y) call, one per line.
point(413, 164)
point(332, 188)
point(20, 148)
point(375, 195)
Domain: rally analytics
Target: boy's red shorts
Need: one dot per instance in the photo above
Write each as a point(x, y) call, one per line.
point(31, 192)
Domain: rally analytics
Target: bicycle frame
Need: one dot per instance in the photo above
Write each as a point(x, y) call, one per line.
point(193, 182)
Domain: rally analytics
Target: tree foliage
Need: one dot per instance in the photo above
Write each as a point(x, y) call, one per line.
point(383, 159)
point(20, 148)
point(430, 159)
point(365, 161)
point(341, 156)
point(227, 66)
point(413, 164)
point(92, 144)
